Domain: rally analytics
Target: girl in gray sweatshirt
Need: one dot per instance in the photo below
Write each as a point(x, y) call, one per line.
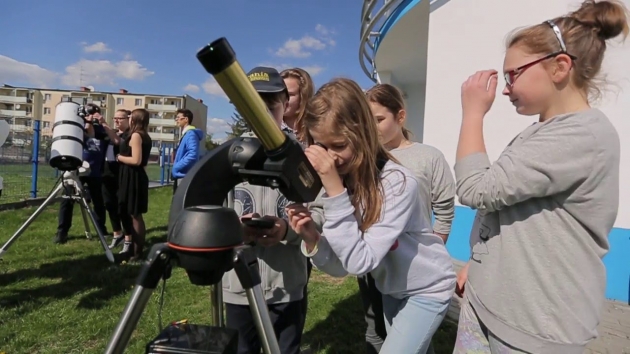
point(536, 280)
point(373, 218)
point(437, 191)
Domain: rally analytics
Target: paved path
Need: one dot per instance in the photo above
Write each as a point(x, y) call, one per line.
point(614, 330)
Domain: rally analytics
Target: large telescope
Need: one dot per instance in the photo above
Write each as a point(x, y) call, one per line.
point(205, 238)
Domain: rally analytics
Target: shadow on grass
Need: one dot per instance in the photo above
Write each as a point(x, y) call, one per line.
point(92, 274)
point(343, 330)
point(72, 276)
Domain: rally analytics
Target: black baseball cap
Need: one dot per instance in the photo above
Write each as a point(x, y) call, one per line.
point(266, 80)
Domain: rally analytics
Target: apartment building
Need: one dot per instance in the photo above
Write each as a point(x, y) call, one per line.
point(19, 106)
point(23, 105)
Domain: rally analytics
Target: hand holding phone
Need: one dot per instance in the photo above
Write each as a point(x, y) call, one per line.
point(258, 223)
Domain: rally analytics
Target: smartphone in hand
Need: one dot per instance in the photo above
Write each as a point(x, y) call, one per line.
point(259, 223)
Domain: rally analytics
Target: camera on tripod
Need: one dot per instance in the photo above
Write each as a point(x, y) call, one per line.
point(68, 134)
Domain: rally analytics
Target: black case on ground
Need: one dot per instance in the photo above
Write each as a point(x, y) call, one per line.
point(194, 339)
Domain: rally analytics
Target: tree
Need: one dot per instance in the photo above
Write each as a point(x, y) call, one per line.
point(210, 144)
point(238, 126)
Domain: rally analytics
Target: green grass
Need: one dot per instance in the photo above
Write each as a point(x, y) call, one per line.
point(68, 298)
point(18, 180)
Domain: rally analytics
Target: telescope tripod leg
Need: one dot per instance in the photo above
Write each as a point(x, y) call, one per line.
point(32, 218)
point(85, 208)
point(216, 300)
point(86, 223)
point(153, 269)
point(246, 267)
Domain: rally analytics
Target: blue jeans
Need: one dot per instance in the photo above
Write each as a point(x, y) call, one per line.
point(411, 323)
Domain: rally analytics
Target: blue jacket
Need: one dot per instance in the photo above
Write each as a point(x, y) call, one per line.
point(187, 152)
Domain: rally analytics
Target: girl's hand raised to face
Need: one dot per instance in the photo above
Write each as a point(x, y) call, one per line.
point(478, 93)
point(325, 166)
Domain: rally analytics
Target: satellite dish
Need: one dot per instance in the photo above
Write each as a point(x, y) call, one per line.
point(91, 88)
point(17, 106)
point(4, 131)
point(160, 114)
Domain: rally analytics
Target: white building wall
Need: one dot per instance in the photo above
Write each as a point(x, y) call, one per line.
point(466, 36)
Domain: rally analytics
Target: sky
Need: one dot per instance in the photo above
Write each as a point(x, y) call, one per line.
point(148, 46)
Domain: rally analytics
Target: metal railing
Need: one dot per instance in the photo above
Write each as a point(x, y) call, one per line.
point(372, 20)
point(371, 26)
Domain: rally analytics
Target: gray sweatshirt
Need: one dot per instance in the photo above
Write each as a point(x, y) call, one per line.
point(545, 209)
point(429, 165)
point(400, 250)
point(282, 267)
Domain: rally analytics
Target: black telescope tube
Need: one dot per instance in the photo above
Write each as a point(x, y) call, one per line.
point(219, 60)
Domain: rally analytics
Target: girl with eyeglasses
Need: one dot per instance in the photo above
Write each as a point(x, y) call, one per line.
point(535, 282)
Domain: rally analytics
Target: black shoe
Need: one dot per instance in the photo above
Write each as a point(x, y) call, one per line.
point(60, 238)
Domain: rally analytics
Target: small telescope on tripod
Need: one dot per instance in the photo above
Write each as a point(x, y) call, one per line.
point(67, 157)
point(205, 238)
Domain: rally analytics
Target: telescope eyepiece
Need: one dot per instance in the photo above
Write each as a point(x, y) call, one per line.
point(216, 56)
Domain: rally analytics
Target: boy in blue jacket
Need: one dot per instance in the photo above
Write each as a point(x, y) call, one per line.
point(188, 148)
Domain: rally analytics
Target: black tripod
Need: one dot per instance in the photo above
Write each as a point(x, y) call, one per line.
point(71, 187)
point(158, 265)
point(205, 238)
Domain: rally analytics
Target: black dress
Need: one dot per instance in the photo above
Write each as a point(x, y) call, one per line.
point(133, 182)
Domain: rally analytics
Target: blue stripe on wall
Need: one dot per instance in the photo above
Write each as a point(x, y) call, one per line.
point(617, 261)
point(396, 15)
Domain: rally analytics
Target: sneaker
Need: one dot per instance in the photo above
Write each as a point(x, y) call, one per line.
point(117, 240)
point(126, 248)
point(60, 237)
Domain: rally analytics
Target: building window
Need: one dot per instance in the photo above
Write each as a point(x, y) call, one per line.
point(47, 110)
point(46, 124)
point(46, 97)
point(120, 100)
point(27, 122)
point(138, 102)
point(155, 143)
point(65, 98)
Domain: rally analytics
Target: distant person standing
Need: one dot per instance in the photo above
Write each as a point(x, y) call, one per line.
point(187, 151)
point(133, 182)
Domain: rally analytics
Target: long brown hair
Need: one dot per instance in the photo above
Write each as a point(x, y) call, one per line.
point(307, 89)
point(139, 121)
point(391, 98)
point(341, 104)
point(585, 32)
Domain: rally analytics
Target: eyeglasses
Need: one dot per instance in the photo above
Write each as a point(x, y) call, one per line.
point(511, 75)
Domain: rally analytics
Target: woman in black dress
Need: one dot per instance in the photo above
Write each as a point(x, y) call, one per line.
point(133, 192)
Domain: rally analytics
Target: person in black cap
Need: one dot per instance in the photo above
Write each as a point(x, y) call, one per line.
point(282, 265)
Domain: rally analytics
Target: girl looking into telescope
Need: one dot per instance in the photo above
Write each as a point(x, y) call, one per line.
point(371, 207)
point(536, 281)
point(133, 192)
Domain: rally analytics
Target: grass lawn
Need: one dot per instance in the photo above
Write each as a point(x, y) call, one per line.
point(68, 298)
point(18, 180)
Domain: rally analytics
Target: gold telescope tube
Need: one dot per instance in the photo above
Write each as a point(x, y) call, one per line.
point(219, 60)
